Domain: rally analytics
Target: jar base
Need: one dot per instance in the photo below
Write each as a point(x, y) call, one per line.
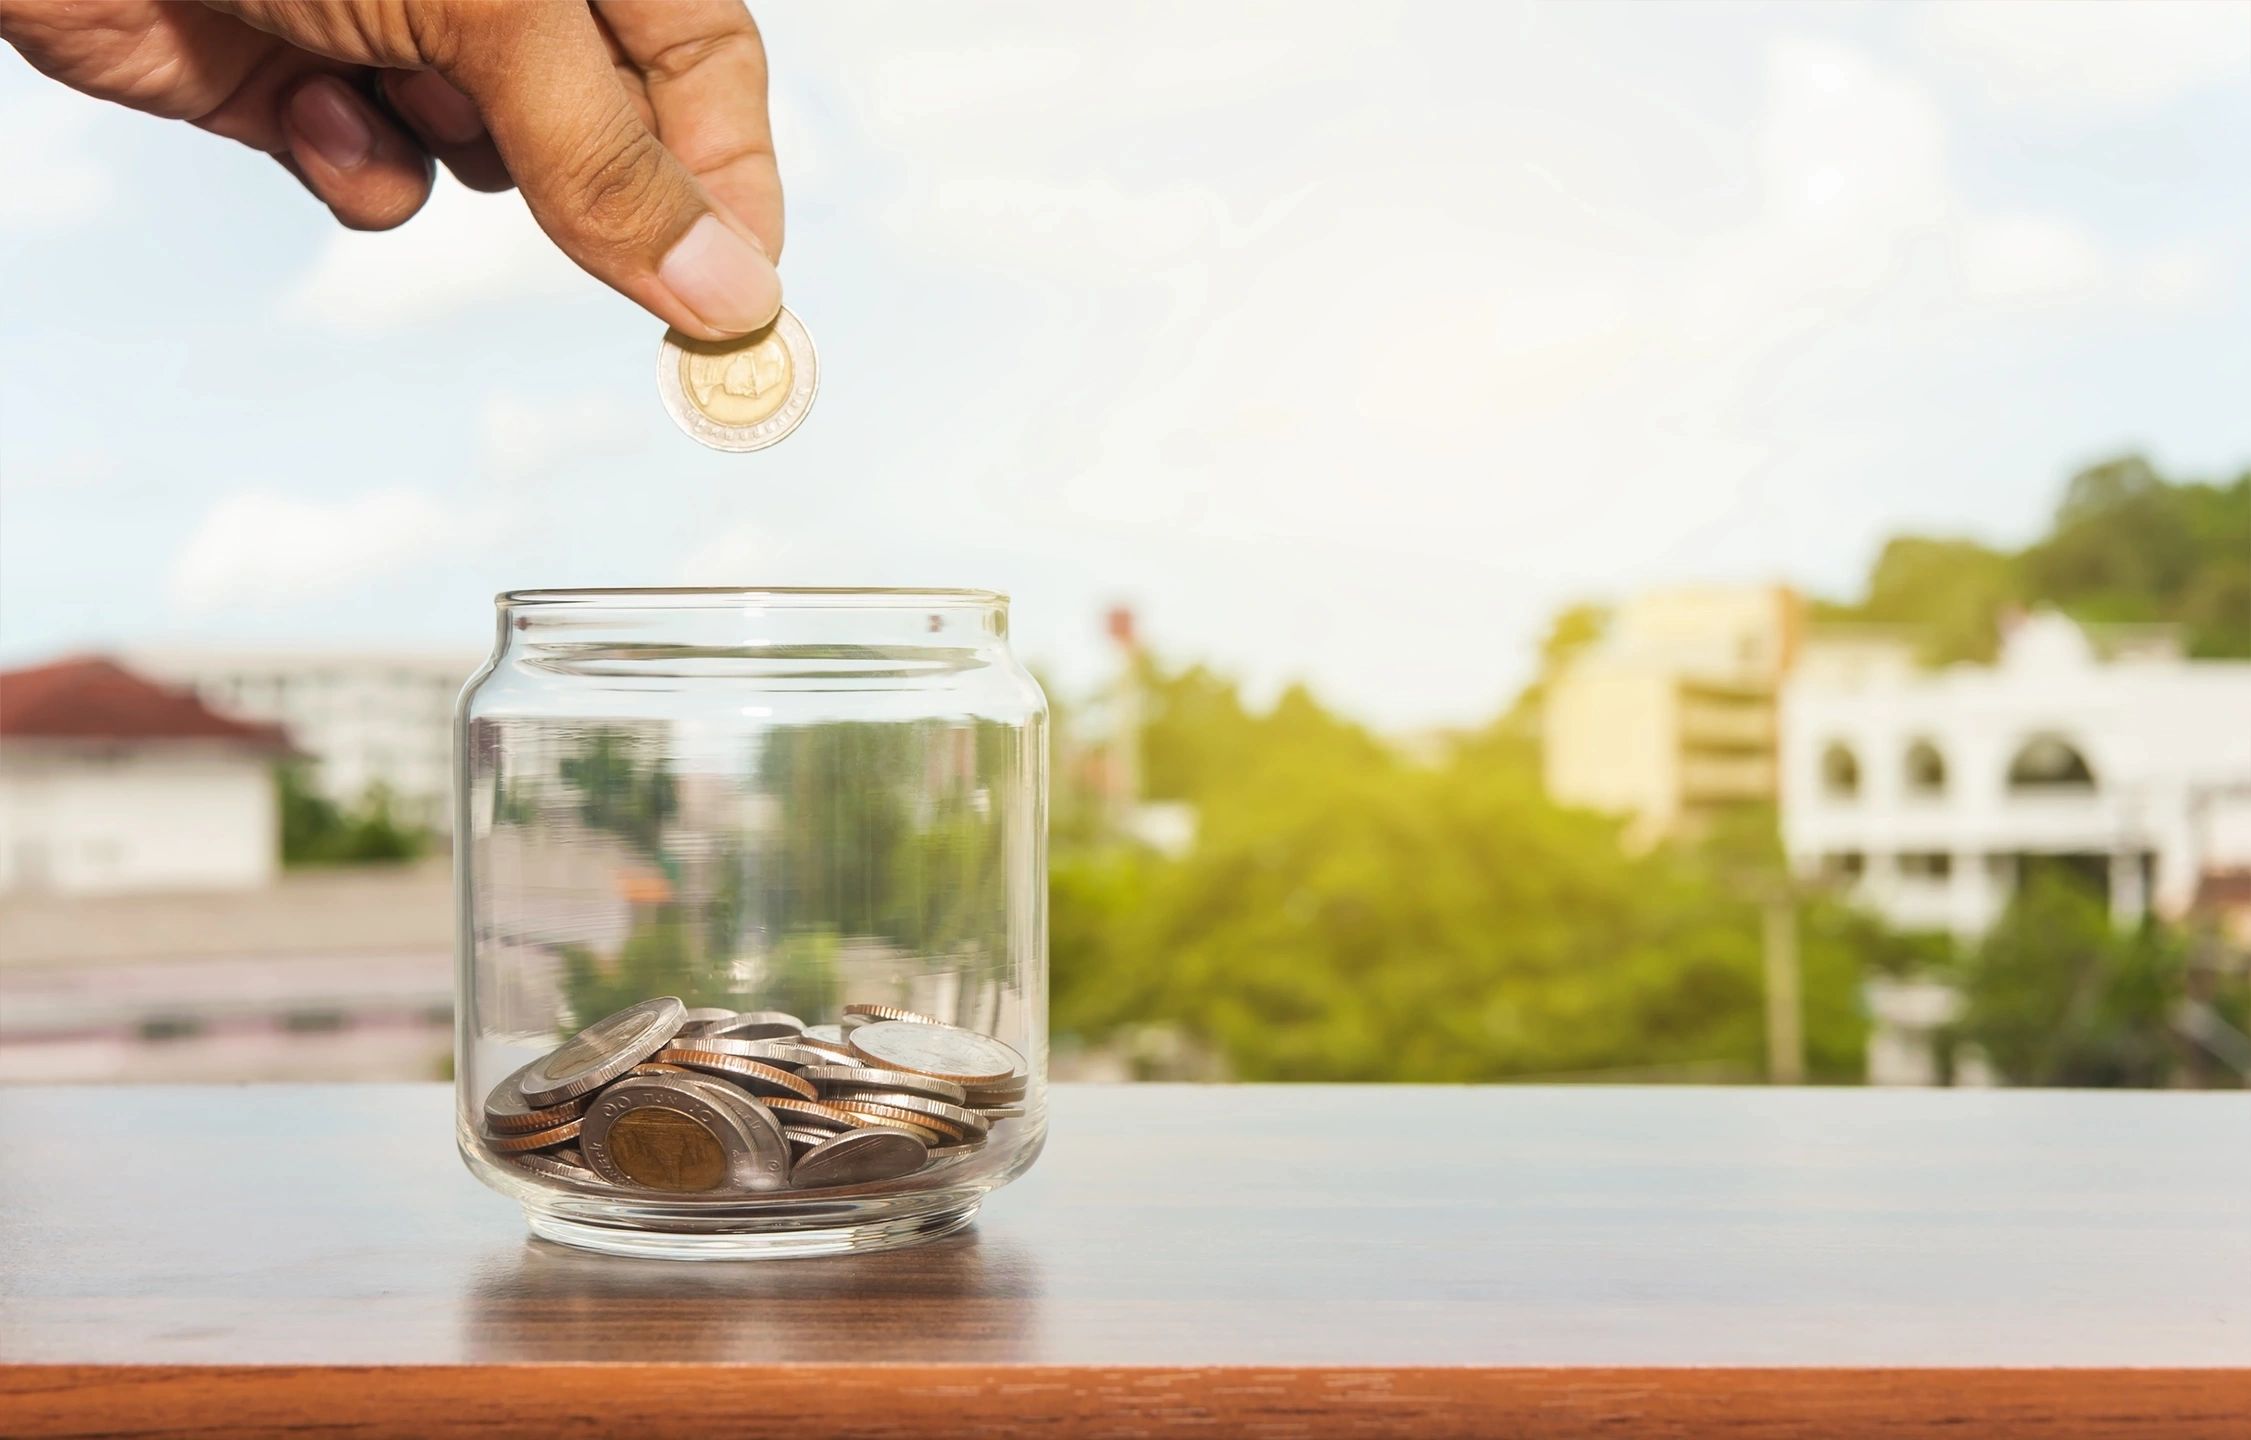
point(787, 1244)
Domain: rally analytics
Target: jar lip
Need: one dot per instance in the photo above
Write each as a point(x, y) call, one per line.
point(703, 597)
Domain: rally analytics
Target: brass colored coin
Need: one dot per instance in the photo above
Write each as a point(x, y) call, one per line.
point(753, 1075)
point(813, 1113)
point(508, 1113)
point(867, 1014)
point(846, 1079)
point(899, 1115)
point(666, 1150)
point(536, 1140)
point(601, 1052)
point(946, 1051)
point(656, 1067)
point(742, 394)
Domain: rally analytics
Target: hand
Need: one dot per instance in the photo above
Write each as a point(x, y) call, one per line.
point(636, 129)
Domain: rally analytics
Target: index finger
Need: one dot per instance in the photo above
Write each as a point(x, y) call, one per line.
point(705, 68)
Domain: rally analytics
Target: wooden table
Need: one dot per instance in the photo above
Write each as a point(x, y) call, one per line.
point(1218, 1261)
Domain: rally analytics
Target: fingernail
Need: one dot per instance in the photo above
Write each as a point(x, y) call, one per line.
point(722, 277)
point(326, 116)
point(444, 112)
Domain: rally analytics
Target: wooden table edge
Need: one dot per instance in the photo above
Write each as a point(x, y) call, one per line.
point(1543, 1403)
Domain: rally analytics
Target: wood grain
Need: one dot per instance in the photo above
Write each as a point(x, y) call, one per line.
point(1251, 1260)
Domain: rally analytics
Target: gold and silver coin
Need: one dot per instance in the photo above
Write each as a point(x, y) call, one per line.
point(669, 1133)
point(742, 394)
point(601, 1052)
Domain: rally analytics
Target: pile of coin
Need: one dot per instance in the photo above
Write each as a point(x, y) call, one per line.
point(715, 1103)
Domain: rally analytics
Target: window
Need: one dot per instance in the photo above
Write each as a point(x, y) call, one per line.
point(1932, 865)
point(1843, 866)
point(1840, 772)
point(2050, 763)
point(1926, 769)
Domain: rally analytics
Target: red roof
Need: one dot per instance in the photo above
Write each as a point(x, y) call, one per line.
point(96, 699)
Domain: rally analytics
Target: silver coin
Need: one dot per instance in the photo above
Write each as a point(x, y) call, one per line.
point(773, 1052)
point(970, 1120)
point(703, 1017)
point(845, 1079)
point(859, 1156)
point(706, 1145)
point(755, 1025)
point(804, 1137)
point(507, 1112)
point(740, 394)
point(824, 1034)
point(552, 1165)
point(1006, 1092)
point(869, 1014)
point(601, 1052)
point(946, 1150)
point(946, 1051)
point(997, 1113)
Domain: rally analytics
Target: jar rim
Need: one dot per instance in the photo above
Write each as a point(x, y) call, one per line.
point(697, 597)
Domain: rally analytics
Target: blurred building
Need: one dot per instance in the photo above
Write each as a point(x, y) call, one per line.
point(366, 721)
point(1931, 795)
point(111, 783)
point(1669, 718)
point(331, 974)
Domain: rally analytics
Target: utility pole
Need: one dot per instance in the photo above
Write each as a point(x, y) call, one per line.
point(1785, 1025)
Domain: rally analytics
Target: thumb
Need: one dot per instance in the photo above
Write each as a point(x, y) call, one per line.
point(603, 186)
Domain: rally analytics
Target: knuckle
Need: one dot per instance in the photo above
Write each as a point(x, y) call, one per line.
point(618, 183)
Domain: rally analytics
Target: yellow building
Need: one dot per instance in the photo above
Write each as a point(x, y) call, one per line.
point(1669, 719)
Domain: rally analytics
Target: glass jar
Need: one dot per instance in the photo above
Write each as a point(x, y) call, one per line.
point(752, 894)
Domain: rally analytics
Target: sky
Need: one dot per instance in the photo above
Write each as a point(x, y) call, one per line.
point(1346, 343)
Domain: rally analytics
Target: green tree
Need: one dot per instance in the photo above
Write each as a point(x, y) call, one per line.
point(2057, 994)
point(1346, 916)
point(625, 786)
point(316, 831)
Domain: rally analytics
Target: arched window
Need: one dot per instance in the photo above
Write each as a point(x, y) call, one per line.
point(2048, 762)
point(1840, 771)
point(1926, 769)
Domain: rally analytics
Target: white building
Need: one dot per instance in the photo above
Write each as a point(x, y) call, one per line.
point(1931, 793)
point(111, 784)
point(365, 720)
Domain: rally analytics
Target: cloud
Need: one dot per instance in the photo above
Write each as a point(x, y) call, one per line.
point(465, 251)
point(2011, 258)
point(527, 435)
point(54, 179)
point(2094, 57)
point(258, 548)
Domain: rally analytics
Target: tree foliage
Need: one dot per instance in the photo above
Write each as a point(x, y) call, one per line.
point(1346, 915)
point(2125, 546)
point(317, 831)
point(2056, 994)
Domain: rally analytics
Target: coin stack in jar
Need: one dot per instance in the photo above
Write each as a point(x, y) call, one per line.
point(714, 1103)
